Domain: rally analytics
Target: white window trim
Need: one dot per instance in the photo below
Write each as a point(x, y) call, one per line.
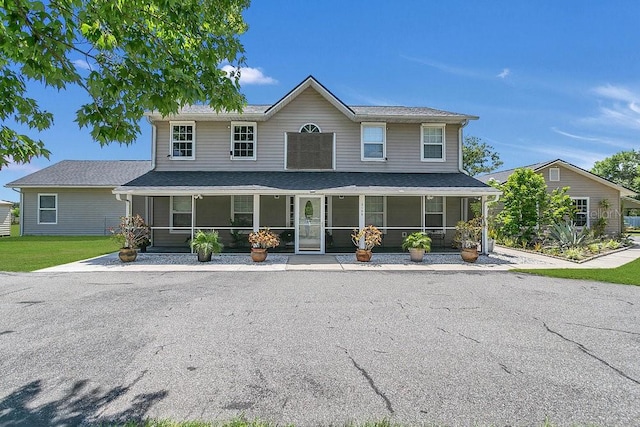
point(171, 141)
point(171, 212)
point(443, 213)
point(310, 124)
point(551, 176)
point(384, 211)
point(588, 224)
point(255, 141)
point(382, 125)
point(48, 209)
point(442, 126)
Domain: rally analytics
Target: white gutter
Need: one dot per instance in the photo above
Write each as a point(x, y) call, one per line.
point(153, 143)
point(460, 142)
point(208, 191)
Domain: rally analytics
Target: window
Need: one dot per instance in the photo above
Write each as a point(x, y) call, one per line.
point(554, 174)
point(309, 128)
point(242, 210)
point(243, 140)
point(180, 214)
point(374, 208)
point(434, 212)
point(373, 141)
point(581, 216)
point(183, 140)
point(432, 143)
point(47, 208)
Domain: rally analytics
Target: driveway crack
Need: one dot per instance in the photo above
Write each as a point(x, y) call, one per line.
point(603, 329)
point(588, 353)
point(372, 383)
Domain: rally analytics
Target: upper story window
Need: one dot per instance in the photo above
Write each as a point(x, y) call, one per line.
point(373, 136)
point(310, 128)
point(47, 208)
point(554, 174)
point(243, 140)
point(183, 140)
point(432, 145)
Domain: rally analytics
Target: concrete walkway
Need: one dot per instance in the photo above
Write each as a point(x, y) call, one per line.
point(343, 262)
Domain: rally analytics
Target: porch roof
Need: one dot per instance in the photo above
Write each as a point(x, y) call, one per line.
point(219, 182)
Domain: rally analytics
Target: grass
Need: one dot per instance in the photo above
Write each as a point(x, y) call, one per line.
point(29, 253)
point(628, 274)
point(15, 230)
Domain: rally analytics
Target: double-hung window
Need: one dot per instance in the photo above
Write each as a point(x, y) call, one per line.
point(434, 212)
point(374, 136)
point(183, 140)
point(581, 215)
point(374, 211)
point(243, 140)
point(47, 208)
point(432, 143)
point(242, 210)
point(180, 214)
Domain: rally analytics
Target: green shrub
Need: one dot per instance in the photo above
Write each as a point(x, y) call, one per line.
point(566, 235)
point(594, 248)
point(574, 253)
point(612, 244)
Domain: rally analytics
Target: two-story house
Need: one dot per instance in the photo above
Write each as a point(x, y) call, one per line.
point(309, 167)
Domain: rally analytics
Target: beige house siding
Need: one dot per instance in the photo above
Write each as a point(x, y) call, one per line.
point(583, 186)
point(81, 211)
point(213, 142)
point(5, 219)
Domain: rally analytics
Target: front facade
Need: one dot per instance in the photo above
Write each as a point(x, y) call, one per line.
point(310, 168)
point(593, 197)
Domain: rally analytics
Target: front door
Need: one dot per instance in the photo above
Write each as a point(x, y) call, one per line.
point(309, 224)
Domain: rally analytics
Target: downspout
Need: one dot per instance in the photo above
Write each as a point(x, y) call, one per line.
point(153, 143)
point(460, 142)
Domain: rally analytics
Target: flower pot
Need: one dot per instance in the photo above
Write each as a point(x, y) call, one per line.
point(469, 254)
point(127, 254)
point(204, 258)
point(258, 254)
point(363, 255)
point(416, 254)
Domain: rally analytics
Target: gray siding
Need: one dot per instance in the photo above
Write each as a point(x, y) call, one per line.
point(5, 220)
point(213, 142)
point(81, 211)
point(582, 186)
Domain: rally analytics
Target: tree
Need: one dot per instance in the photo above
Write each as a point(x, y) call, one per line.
point(479, 157)
point(623, 168)
point(528, 206)
point(129, 56)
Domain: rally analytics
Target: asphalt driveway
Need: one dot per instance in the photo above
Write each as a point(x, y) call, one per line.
point(318, 348)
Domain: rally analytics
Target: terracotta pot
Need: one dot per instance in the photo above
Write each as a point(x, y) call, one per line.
point(204, 258)
point(469, 254)
point(363, 255)
point(258, 255)
point(416, 254)
point(127, 254)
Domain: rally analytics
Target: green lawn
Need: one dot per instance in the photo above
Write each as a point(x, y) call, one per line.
point(15, 230)
point(628, 274)
point(30, 253)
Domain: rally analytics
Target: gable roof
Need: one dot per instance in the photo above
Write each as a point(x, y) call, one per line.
point(85, 173)
point(502, 176)
point(354, 113)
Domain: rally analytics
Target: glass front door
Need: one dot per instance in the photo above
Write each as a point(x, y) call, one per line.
point(309, 224)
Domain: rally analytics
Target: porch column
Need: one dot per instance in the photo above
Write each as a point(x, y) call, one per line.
point(256, 212)
point(193, 215)
point(485, 226)
point(361, 205)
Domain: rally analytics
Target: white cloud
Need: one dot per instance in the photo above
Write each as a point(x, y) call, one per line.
point(604, 140)
point(81, 63)
point(449, 69)
point(505, 72)
point(250, 76)
point(618, 108)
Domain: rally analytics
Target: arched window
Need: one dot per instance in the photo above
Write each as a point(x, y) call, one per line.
point(309, 128)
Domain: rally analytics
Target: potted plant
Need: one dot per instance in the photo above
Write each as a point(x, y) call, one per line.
point(131, 234)
point(260, 241)
point(365, 240)
point(417, 243)
point(205, 244)
point(469, 233)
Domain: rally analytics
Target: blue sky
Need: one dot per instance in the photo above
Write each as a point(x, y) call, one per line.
point(549, 79)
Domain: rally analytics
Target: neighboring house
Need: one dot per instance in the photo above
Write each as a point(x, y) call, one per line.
point(5, 218)
point(588, 191)
point(309, 167)
point(76, 197)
